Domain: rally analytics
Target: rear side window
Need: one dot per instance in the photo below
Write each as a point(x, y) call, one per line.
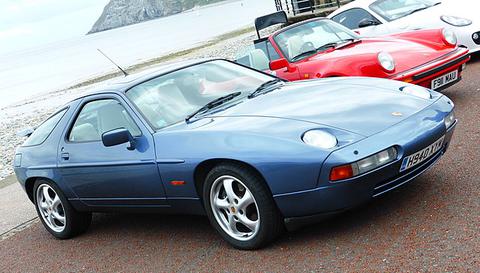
point(98, 117)
point(351, 18)
point(42, 132)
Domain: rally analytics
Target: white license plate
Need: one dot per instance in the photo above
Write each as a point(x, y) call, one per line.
point(444, 80)
point(420, 156)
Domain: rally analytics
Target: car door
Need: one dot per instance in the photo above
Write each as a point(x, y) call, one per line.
point(109, 176)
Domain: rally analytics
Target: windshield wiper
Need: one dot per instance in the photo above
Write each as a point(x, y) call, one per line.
point(263, 87)
point(313, 51)
point(303, 54)
point(346, 42)
point(214, 103)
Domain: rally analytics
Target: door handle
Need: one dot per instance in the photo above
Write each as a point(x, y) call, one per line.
point(65, 156)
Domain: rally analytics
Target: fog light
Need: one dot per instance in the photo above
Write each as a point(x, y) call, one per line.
point(476, 37)
point(364, 165)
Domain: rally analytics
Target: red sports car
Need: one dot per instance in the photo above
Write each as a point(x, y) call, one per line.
point(320, 48)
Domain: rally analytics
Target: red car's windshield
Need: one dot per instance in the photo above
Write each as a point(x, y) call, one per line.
point(306, 39)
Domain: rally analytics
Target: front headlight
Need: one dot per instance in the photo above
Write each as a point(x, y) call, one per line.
point(449, 119)
point(319, 139)
point(365, 165)
point(386, 61)
point(449, 37)
point(456, 21)
point(417, 91)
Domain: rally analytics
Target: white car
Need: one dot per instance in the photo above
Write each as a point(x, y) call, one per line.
point(372, 18)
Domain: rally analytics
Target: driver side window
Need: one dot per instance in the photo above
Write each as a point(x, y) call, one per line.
point(351, 18)
point(98, 117)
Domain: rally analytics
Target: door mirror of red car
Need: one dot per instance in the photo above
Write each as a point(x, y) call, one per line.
point(117, 137)
point(279, 64)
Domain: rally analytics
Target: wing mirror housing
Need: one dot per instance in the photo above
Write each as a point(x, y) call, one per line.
point(280, 64)
point(25, 132)
point(367, 23)
point(118, 136)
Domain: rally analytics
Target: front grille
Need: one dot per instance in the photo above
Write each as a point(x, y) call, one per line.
point(403, 178)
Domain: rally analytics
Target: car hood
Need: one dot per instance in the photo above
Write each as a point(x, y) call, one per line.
point(407, 54)
point(362, 106)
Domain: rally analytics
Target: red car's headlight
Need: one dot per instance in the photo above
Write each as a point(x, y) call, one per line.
point(449, 37)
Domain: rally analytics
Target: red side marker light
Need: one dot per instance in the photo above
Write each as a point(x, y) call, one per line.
point(341, 172)
point(177, 183)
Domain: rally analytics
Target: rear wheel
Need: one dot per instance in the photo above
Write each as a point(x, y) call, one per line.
point(56, 214)
point(240, 207)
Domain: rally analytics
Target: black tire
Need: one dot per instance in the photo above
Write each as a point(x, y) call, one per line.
point(271, 221)
point(75, 222)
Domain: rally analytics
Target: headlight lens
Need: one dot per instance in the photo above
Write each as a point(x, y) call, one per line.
point(449, 119)
point(417, 91)
point(386, 61)
point(449, 36)
point(456, 21)
point(320, 139)
point(365, 165)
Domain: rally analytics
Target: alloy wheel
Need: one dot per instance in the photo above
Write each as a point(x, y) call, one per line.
point(234, 208)
point(50, 208)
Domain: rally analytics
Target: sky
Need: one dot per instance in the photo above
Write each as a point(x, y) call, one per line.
point(31, 23)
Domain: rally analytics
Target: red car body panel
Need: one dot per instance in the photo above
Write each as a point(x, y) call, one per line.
point(420, 57)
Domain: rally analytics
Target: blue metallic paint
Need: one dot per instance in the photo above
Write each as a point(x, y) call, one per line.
point(264, 133)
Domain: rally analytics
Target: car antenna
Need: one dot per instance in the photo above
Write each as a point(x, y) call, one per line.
point(121, 69)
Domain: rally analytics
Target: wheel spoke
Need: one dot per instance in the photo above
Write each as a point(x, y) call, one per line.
point(246, 200)
point(46, 196)
point(56, 201)
point(59, 217)
point(43, 205)
point(252, 225)
point(228, 185)
point(51, 219)
point(221, 203)
point(232, 224)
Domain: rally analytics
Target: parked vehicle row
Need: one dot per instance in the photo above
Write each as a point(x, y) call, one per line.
point(379, 17)
point(321, 48)
point(258, 146)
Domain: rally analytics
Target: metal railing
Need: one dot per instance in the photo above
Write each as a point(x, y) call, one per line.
point(294, 7)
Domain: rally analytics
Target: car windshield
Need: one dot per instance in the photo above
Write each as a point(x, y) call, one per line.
point(171, 98)
point(394, 9)
point(306, 39)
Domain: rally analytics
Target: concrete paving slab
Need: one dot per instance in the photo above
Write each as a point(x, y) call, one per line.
point(15, 207)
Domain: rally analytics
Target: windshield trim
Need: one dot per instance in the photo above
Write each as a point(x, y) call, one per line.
point(285, 56)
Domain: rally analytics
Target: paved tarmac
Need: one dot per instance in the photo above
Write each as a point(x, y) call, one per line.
point(431, 225)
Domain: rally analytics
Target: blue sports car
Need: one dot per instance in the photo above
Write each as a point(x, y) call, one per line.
point(254, 153)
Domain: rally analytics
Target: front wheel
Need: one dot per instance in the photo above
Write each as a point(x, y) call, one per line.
point(240, 207)
point(56, 214)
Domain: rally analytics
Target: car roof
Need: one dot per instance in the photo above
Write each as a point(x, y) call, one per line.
point(354, 4)
point(120, 85)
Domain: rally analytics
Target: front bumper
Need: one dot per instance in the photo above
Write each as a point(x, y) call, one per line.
point(330, 198)
point(424, 75)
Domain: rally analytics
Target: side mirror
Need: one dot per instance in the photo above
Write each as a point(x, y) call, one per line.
point(367, 23)
point(117, 137)
point(279, 64)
